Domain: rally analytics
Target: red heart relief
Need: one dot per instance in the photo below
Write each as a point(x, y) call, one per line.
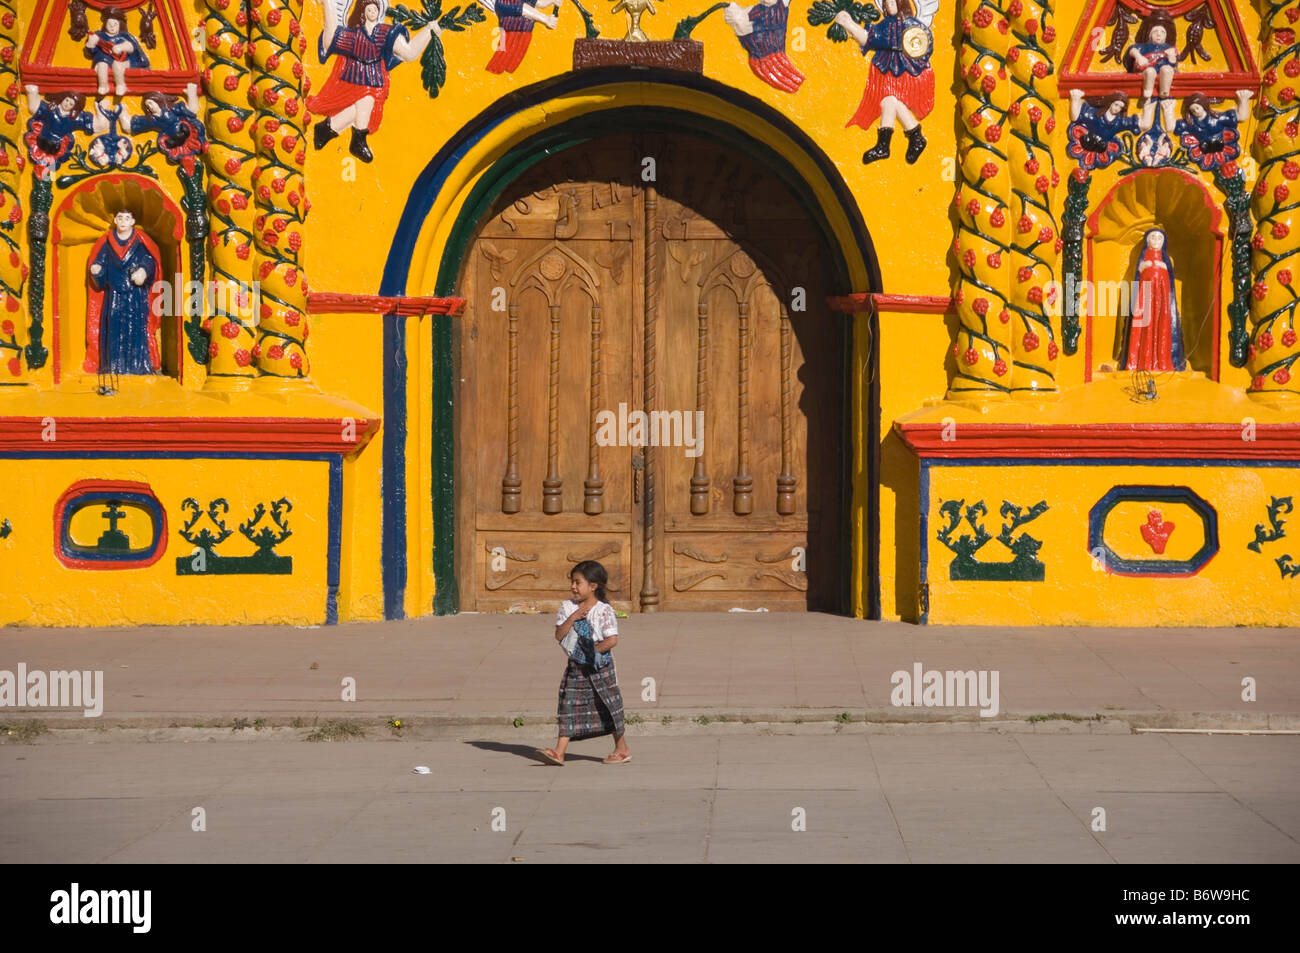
point(1157, 532)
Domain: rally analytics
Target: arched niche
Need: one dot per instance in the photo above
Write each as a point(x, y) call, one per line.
point(1181, 205)
point(83, 216)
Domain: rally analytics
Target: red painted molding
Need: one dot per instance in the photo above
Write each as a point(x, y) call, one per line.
point(907, 304)
point(1139, 441)
point(1214, 85)
point(331, 302)
point(271, 435)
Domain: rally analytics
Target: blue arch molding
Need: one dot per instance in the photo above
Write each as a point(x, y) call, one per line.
point(543, 142)
point(1153, 567)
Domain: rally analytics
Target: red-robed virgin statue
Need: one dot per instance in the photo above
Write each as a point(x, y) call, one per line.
point(1153, 335)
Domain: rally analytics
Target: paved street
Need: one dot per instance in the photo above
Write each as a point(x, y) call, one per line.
point(491, 667)
point(721, 793)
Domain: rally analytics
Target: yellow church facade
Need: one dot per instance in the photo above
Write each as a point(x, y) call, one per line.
point(974, 312)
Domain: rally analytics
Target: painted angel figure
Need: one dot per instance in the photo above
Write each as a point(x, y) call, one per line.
point(1095, 126)
point(1210, 137)
point(180, 131)
point(761, 31)
point(366, 49)
point(900, 82)
point(51, 132)
point(515, 19)
point(1154, 54)
point(111, 49)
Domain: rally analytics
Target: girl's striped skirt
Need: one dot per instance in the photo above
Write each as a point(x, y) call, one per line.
point(590, 704)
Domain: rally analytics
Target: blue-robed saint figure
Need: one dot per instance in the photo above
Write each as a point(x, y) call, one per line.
point(122, 321)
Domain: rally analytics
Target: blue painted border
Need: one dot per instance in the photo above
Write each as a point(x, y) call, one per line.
point(334, 529)
point(77, 503)
point(393, 468)
point(419, 202)
point(928, 462)
point(1120, 566)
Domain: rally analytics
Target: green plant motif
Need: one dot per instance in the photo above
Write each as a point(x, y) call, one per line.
point(266, 539)
point(687, 24)
point(206, 561)
point(433, 61)
point(38, 231)
point(1072, 222)
point(1024, 567)
point(823, 12)
point(588, 23)
point(519, 721)
point(1277, 506)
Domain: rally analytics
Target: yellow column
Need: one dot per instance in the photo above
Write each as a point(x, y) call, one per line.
point(230, 194)
point(13, 271)
point(1275, 259)
point(983, 349)
point(1036, 243)
point(280, 86)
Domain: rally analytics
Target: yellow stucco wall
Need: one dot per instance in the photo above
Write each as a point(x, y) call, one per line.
point(908, 212)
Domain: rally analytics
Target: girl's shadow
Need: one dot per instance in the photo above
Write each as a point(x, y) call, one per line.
point(528, 752)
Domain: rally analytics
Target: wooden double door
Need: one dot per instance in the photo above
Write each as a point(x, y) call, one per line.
point(649, 376)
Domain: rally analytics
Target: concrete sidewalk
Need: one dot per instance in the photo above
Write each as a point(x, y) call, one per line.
point(476, 668)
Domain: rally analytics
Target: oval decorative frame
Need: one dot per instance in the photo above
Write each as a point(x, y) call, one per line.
point(91, 492)
point(1152, 567)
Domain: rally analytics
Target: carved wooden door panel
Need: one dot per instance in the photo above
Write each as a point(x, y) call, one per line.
point(547, 341)
point(750, 518)
point(700, 297)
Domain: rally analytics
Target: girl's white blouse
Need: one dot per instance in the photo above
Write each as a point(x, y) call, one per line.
point(604, 623)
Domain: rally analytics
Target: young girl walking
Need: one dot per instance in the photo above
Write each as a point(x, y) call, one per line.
point(590, 703)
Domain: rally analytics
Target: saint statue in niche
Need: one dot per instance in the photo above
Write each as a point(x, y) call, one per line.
point(353, 96)
point(122, 321)
point(1153, 335)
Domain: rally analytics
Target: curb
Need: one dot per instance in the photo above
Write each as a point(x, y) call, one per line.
point(288, 726)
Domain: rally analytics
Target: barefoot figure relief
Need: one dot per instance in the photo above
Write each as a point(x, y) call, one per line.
point(365, 50)
point(111, 50)
point(1155, 56)
point(761, 31)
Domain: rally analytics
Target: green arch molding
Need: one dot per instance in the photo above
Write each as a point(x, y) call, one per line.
point(544, 143)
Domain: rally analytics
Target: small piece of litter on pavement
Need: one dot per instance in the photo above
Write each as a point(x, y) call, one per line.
point(421, 769)
point(746, 610)
point(516, 859)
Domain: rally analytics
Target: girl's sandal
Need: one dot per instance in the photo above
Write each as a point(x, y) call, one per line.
point(615, 759)
point(549, 755)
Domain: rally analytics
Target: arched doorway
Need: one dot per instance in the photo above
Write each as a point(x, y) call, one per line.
point(660, 272)
point(441, 213)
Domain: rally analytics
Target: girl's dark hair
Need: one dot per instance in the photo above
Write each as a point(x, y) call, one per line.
point(595, 574)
